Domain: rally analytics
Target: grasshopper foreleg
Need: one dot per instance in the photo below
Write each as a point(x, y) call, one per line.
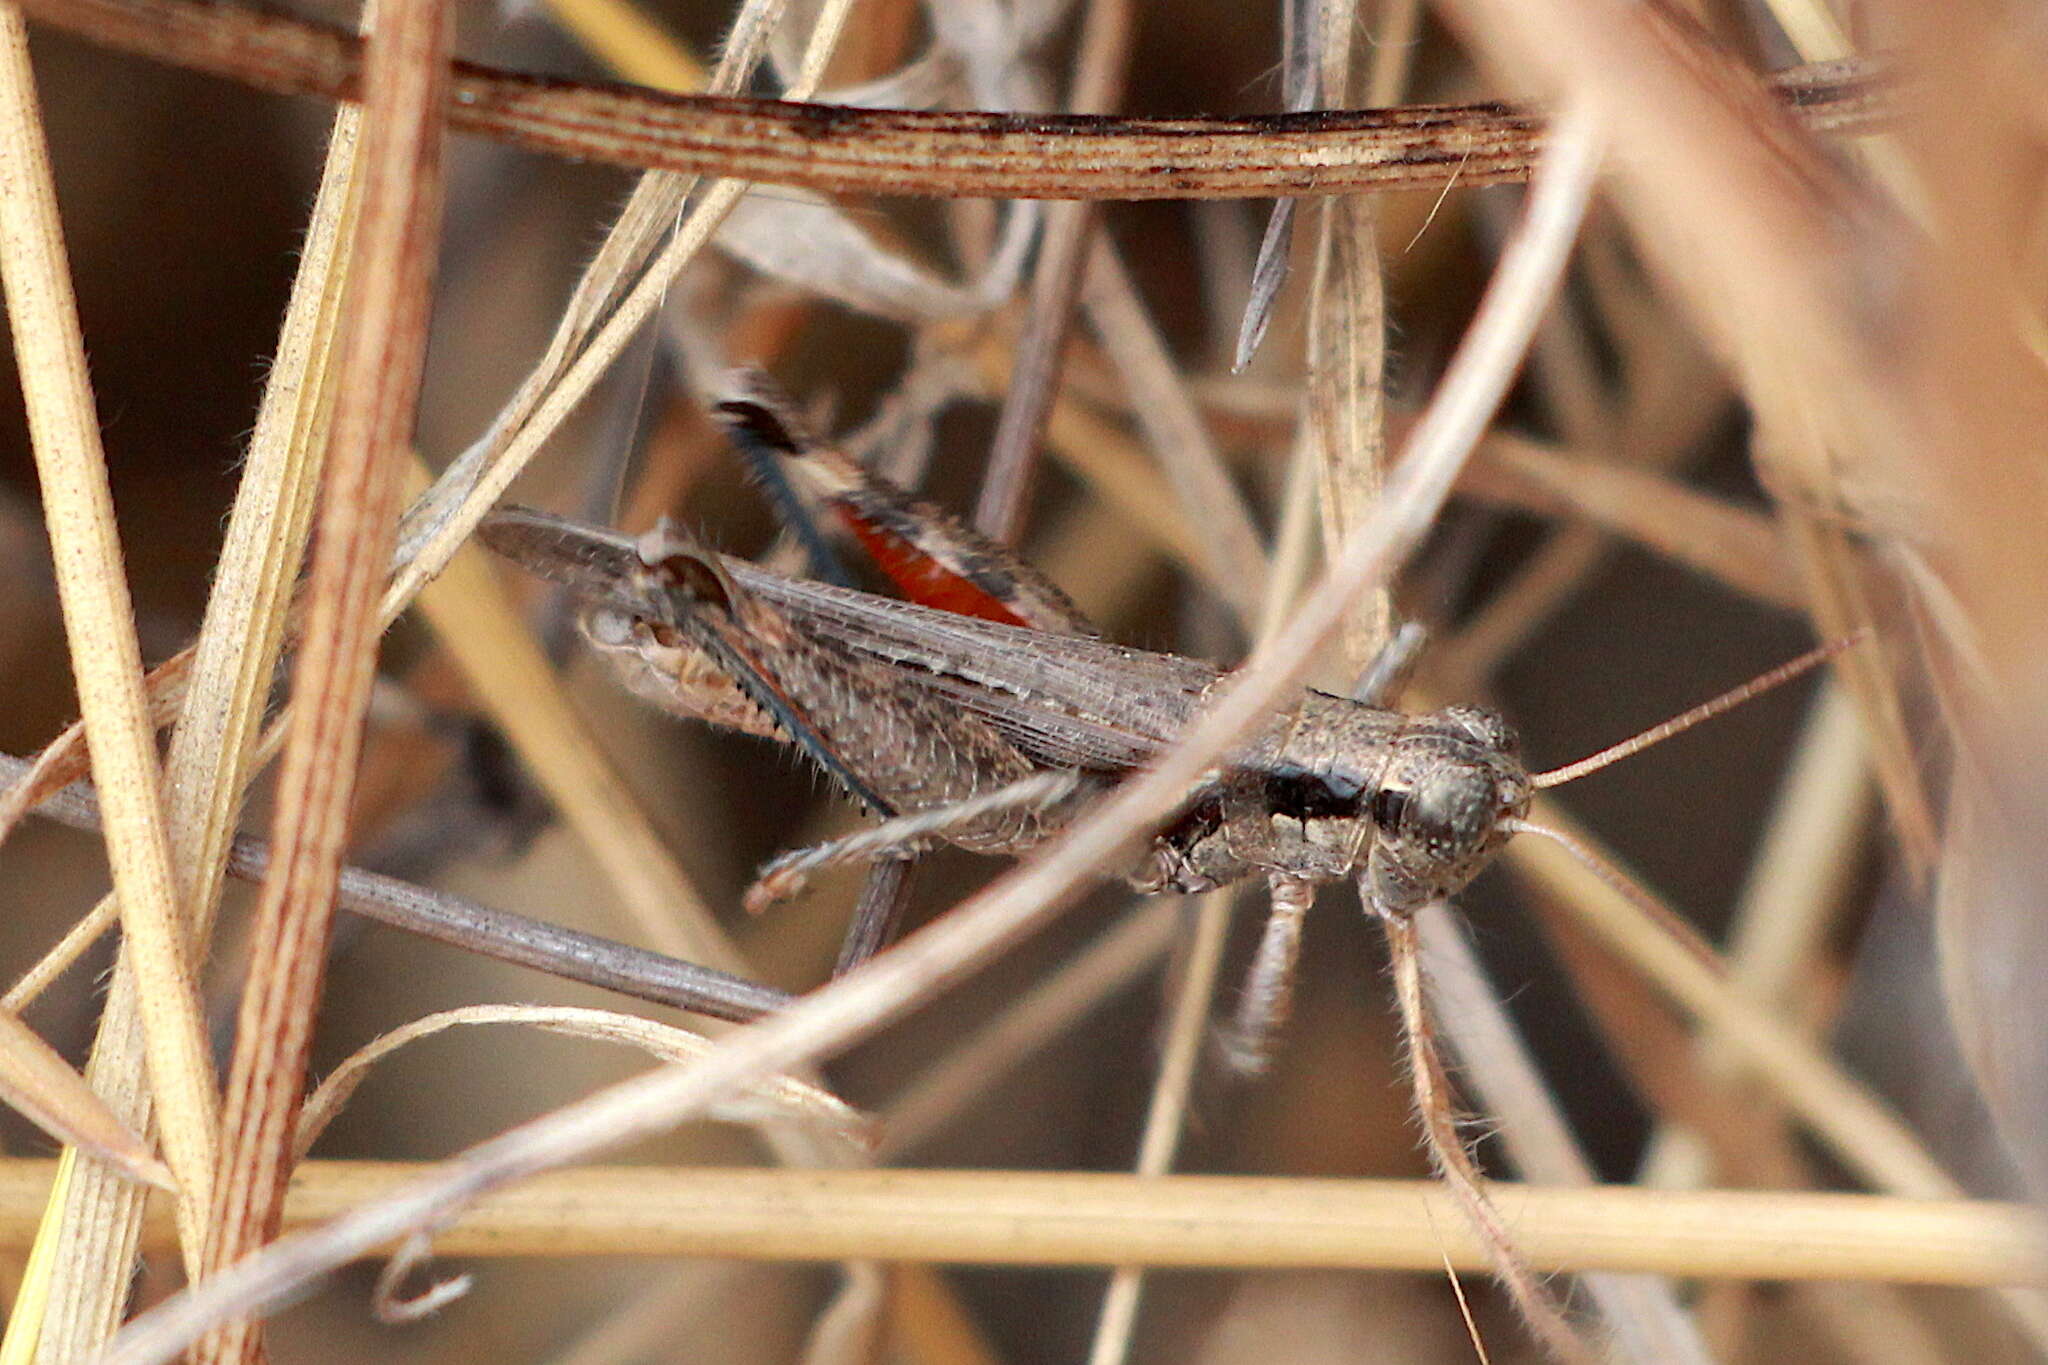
point(785, 876)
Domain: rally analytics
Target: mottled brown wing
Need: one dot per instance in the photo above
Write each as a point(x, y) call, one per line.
point(1068, 701)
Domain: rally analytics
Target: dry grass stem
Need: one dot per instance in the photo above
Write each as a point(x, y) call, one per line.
point(382, 351)
point(1784, 917)
point(1861, 1131)
point(1064, 257)
point(938, 153)
point(1728, 543)
point(934, 1097)
point(1180, 442)
point(99, 622)
point(1187, 1032)
point(451, 919)
point(1079, 1218)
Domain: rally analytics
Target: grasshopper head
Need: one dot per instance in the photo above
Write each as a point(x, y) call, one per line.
point(1444, 806)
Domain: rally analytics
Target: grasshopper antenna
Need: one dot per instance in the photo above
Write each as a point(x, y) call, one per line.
point(1705, 711)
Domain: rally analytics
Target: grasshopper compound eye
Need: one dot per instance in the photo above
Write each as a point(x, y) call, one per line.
point(1452, 814)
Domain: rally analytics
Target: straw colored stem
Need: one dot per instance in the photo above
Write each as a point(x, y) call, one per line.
point(99, 624)
point(1020, 1218)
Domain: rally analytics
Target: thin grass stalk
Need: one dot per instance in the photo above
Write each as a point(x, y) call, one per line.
point(99, 623)
point(1065, 238)
point(1862, 1132)
point(925, 1105)
point(1782, 920)
point(382, 355)
point(1344, 413)
point(565, 953)
point(37, 1083)
point(1181, 444)
point(863, 1001)
point(1187, 1029)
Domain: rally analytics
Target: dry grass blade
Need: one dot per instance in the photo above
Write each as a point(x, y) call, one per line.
point(1316, 58)
point(65, 759)
point(937, 1095)
point(777, 1098)
point(1728, 543)
point(41, 1086)
point(908, 151)
point(1345, 412)
point(1187, 1030)
point(1866, 1136)
point(1063, 259)
point(1817, 832)
point(1180, 441)
point(99, 622)
point(382, 351)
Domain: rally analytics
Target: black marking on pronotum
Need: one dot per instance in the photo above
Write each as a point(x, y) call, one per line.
point(1312, 794)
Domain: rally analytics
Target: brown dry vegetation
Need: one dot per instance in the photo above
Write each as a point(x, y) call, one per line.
point(1791, 386)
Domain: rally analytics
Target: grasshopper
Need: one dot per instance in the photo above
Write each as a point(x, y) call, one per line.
point(992, 723)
